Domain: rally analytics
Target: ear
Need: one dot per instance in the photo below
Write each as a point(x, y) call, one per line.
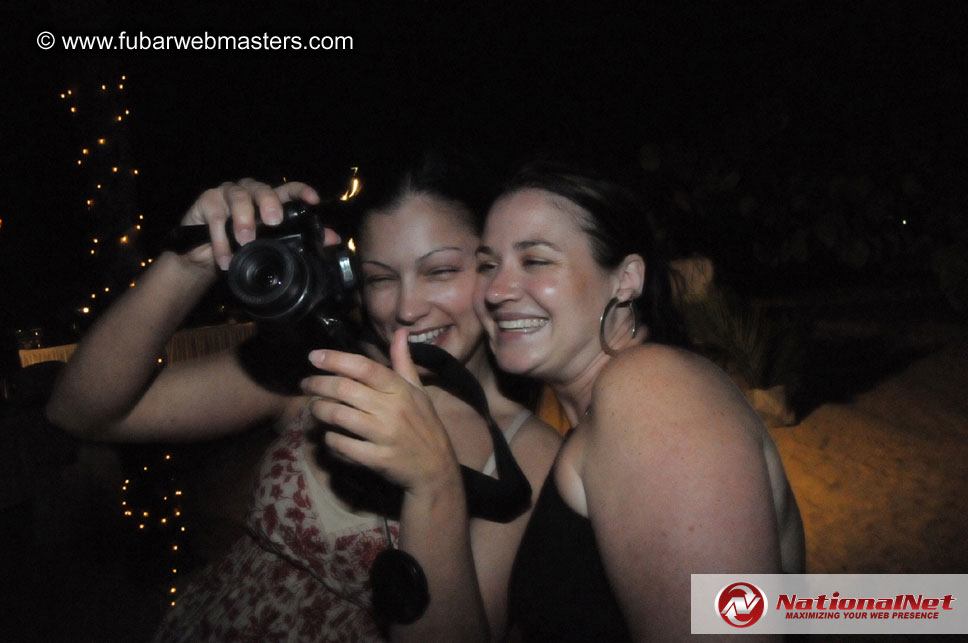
point(631, 277)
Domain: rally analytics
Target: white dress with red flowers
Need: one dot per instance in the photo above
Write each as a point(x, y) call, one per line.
point(302, 571)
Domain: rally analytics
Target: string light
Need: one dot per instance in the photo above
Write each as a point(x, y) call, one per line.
point(158, 519)
point(100, 157)
point(93, 156)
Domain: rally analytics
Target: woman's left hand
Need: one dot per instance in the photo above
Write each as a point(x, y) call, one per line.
point(396, 431)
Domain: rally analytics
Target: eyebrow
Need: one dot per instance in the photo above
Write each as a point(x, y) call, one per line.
point(520, 246)
point(419, 259)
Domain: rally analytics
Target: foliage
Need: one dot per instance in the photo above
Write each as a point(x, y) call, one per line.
point(761, 349)
point(774, 222)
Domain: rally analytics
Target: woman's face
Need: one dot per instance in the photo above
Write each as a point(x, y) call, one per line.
point(540, 293)
point(419, 273)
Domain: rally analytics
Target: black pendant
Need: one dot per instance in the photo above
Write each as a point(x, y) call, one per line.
point(400, 592)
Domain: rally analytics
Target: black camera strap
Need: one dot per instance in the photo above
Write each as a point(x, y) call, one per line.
point(400, 593)
point(502, 499)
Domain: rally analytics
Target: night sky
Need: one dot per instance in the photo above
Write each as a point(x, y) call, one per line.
point(843, 84)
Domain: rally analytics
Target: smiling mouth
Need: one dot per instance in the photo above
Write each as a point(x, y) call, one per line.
point(427, 337)
point(522, 325)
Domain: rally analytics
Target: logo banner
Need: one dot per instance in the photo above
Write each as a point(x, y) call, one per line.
point(830, 604)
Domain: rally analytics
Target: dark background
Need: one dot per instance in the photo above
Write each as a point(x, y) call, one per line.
point(815, 150)
point(788, 140)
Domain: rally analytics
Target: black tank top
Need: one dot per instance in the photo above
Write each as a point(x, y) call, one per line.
point(558, 589)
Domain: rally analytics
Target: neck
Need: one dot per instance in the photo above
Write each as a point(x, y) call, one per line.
point(575, 394)
point(480, 367)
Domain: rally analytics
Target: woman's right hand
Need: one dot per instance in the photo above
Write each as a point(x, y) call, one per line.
point(240, 202)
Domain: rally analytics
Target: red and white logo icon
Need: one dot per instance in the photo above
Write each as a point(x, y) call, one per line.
point(741, 604)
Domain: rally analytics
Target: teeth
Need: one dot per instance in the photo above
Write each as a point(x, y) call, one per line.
point(423, 338)
point(521, 324)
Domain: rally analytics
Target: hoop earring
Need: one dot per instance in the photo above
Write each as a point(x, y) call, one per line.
point(612, 303)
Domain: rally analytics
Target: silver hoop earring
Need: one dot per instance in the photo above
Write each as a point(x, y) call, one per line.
point(612, 303)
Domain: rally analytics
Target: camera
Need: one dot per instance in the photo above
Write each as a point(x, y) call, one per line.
point(286, 278)
point(286, 274)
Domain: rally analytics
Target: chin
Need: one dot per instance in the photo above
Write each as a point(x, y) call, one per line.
point(513, 362)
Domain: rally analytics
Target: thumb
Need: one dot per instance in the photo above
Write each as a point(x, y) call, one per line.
point(400, 357)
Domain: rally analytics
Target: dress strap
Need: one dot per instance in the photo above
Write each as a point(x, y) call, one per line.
point(509, 434)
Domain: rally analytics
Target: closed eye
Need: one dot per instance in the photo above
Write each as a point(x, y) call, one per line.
point(530, 262)
point(443, 272)
point(375, 280)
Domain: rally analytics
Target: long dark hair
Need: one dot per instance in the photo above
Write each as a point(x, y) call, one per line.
point(618, 224)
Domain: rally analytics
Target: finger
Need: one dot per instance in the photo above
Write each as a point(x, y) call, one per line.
point(401, 359)
point(242, 211)
point(358, 367)
point(359, 423)
point(297, 190)
point(331, 237)
point(210, 210)
point(341, 389)
point(350, 449)
point(214, 210)
point(266, 200)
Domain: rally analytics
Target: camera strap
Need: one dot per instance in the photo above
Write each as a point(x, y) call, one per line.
point(508, 496)
point(400, 592)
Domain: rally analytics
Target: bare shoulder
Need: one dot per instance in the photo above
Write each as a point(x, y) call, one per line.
point(537, 436)
point(668, 389)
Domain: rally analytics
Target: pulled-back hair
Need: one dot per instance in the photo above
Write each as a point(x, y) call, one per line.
point(455, 178)
point(618, 225)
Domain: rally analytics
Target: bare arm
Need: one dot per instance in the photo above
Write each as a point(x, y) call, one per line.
point(675, 484)
point(106, 391)
point(467, 565)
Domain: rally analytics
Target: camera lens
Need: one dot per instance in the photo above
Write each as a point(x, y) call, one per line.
point(270, 279)
point(264, 278)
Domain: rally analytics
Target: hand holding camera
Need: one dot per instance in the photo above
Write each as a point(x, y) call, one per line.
point(233, 207)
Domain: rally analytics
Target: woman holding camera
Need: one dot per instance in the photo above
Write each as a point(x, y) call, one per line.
point(667, 471)
point(302, 571)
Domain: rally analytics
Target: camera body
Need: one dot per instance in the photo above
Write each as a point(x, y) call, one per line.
point(286, 277)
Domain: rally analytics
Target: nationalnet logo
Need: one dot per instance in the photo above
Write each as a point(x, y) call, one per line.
point(899, 606)
point(741, 604)
point(829, 604)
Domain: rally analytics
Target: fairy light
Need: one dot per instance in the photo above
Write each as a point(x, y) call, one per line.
point(155, 517)
point(151, 501)
point(107, 111)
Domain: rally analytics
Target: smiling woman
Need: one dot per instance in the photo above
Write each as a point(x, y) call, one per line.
point(316, 519)
point(419, 273)
point(573, 294)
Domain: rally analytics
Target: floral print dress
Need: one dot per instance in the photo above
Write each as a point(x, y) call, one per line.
point(302, 571)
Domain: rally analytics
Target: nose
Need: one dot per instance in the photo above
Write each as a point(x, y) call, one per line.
point(501, 285)
point(411, 304)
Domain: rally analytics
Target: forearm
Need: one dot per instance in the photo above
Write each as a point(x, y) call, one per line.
point(118, 356)
point(434, 529)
